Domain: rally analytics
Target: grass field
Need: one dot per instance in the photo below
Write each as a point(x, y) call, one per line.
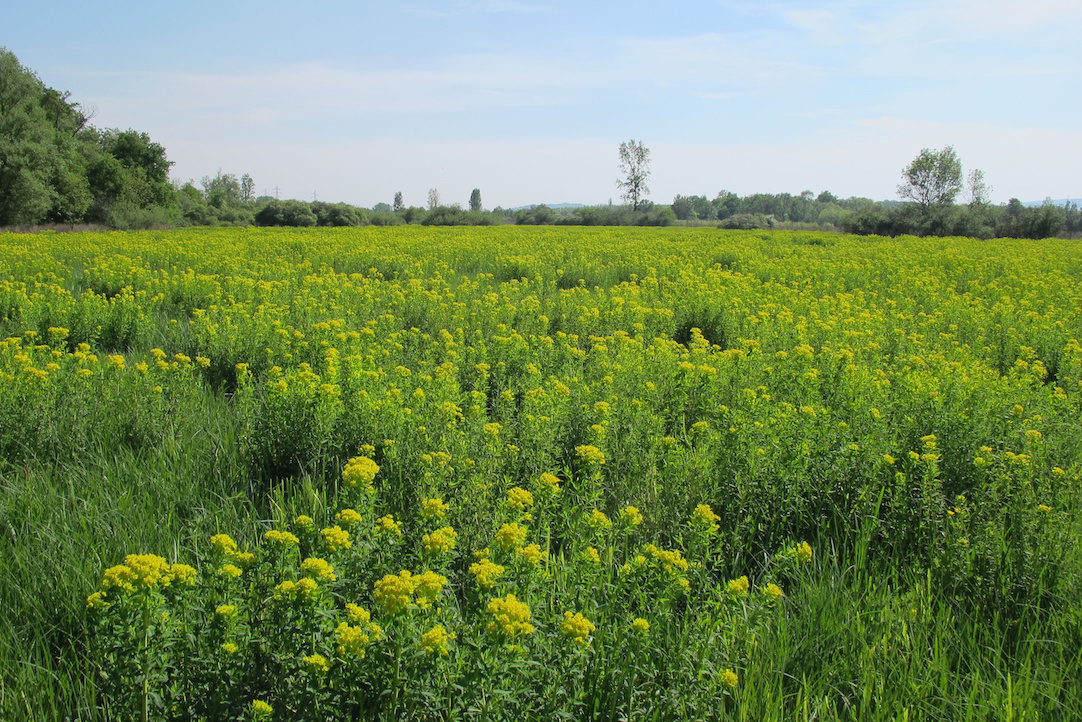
point(539, 473)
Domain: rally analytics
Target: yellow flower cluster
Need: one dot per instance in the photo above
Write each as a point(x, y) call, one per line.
point(672, 562)
point(388, 526)
point(730, 679)
point(772, 591)
point(319, 569)
point(510, 536)
point(436, 641)
point(440, 541)
point(353, 639)
point(225, 610)
point(705, 519)
point(640, 625)
point(282, 539)
point(590, 455)
point(348, 517)
point(433, 509)
point(486, 572)
point(577, 628)
point(550, 482)
point(630, 516)
point(296, 591)
point(597, 519)
point(519, 499)
point(738, 587)
point(336, 538)
point(260, 709)
point(396, 592)
point(510, 617)
point(144, 571)
point(318, 663)
point(532, 554)
point(803, 552)
point(360, 471)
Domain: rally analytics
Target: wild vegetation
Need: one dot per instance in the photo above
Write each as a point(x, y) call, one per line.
point(514, 473)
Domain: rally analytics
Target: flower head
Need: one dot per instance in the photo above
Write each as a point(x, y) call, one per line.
point(486, 572)
point(336, 538)
point(317, 568)
point(436, 640)
point(577, 628)
point(432, 509)
point(519, 499)
point(440, 541)
point(360, 471)
point(386, 525)
point(509, 617)
point(510, 536)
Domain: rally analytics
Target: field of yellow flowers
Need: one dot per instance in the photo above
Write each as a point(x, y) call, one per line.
point(539, 473)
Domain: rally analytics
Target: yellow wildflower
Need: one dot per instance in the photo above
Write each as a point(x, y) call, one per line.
point(318, 663)
point(730, 679)
point(532, 554)
point(229, 647)
point(225, 610)
point(704, 518)
point(592, 555)
point(317, 568)
point(387, 525)
point(590, 455)
point(360, 471)
point(518, 498)
point(230, 571)
point(281, 538)
point(393, 593)
point(260, 709)
point(737, 587)
point(224, 544)
point(433, 509)
point(510, 536)
point(598, 520)
point(640, 625)
point(550, 482)
point(336, 538)
point(305, 523)
point(352, 640)
point(803, 552)
point(97, 601)
point(486, 572)
point(772, 591)
point(427, 587)
point(510, 617)
point(435, 641)
point(630, 516)
point(440, 541)
point(348, 517)
point(577, 628)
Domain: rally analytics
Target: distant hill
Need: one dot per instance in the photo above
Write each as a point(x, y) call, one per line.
point(550, 205)
point(1055, 201)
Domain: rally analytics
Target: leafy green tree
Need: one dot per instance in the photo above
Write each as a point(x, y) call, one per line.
point(635, 167)
point(475, 199)
point(398, 204)
point(27, 156)
point(247, 189)
point(933, 179)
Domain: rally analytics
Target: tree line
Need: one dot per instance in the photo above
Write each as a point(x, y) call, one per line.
point(57, 168)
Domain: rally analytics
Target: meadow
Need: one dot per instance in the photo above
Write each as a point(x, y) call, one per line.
point(539, 473)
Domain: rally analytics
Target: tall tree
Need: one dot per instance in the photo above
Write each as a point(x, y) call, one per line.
point(433, 199)
point(475, 199)
point(247, 189)
point(934, 178)
point(978, 190)
point(635, 167)
point(398, 204)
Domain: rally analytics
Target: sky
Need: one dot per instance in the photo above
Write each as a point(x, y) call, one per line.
point(529, 100)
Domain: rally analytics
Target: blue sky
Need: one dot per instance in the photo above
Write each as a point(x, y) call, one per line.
point(528, 100)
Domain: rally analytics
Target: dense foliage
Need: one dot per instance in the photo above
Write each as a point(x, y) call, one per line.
point(539, 472)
